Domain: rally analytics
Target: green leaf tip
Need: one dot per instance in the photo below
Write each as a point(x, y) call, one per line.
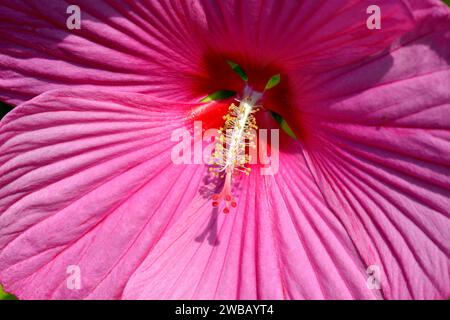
point(6, 296)
point(218, 95)
point(237, 68)
point(273, 82)
point(284, 125)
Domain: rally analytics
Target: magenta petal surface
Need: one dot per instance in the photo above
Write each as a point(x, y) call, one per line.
point(165, 48)
point(312, 35)
point(281, 242)
point(380, 154)
point(86, 179)
point(135, 46)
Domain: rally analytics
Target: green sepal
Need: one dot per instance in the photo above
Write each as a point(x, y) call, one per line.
point(273, 82)
point(218, 95)
point(237, 68)
point(284, 125)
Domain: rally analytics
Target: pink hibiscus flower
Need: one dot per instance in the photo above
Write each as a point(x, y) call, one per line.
point(87, 181)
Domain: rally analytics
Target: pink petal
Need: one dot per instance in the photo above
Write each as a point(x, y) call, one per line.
point(148, 47)
point(301, 40)
point(281, 242)
point(426, 42)
point(87, 180)
point(380, 152)
point(316, 35)
point(179, 49)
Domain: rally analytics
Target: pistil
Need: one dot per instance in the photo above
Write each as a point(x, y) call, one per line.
point(236, 136)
